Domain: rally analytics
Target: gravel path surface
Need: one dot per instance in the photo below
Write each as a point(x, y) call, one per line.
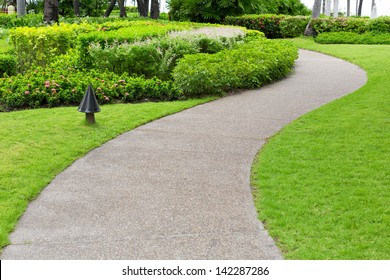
point(177, 188)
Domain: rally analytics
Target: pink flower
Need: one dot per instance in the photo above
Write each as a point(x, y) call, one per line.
point(99, 88)
point(26, 92)
point(53, 90)
point(106, 98)
point(57, 85)
point(62, 77)
point(102, 81)
point(127, 94)
point(29, 85)
point(115, 85)
point(47, 85)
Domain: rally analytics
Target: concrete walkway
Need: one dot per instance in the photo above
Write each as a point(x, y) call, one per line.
point(177, 188)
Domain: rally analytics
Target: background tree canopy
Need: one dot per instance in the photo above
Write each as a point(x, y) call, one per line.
point(217, 10)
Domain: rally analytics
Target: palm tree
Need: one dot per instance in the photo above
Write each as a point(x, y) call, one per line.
point(348, 8)
point(336, 8)
point(51, 11)
point(309, 31)
point(359, 13)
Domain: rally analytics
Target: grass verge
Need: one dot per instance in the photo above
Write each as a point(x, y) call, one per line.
point(323, 183)
point(36, 145)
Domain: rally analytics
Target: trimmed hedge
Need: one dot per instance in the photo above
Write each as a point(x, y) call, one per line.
point(273, 26)
point(353, 38)
point(40, 46)
point(249, 65)
point(7, 64)
point(46, 87)
point(351, 24)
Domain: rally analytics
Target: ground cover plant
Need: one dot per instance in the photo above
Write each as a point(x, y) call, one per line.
point(35, 145)
point(322, 183)
point(353, 38)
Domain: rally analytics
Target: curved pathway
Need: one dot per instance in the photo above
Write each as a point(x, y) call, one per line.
point(177, 188)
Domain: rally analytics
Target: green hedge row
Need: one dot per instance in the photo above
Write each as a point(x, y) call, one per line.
point(273, 26)
point(249, 65)
point(7, 64)
point(353, 38)
point(49, 87)
point(40, 46)
point(350, 24)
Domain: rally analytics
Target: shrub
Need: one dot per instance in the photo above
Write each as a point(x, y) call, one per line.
point(379, 25)
point(7, 64)
point(40, 46)
point(248, 65)
point(353, 38)
point(129, 35)
point(273, 26)
point(31, 20)
point(291, 27)
point(350, 24)
point(158, 56)
point(47, 87)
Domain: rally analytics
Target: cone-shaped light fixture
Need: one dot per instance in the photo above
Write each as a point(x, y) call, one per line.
point(89, 105)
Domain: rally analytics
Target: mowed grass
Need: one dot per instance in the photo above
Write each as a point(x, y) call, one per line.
point(323, 183)
point(36, 145)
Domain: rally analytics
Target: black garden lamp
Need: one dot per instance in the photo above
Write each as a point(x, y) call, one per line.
point(89, 105)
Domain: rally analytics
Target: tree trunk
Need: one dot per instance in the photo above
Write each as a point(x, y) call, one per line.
point(143, 7)
point(121, 4)
point(348, 8)
point(360, 8)
point(155, 9)
point(76, 5)
point(309, 31)
point(327, 7)
point(51, 11)
point(323, 6)
point(336, 8)
point(21, 8)
point(109, 8)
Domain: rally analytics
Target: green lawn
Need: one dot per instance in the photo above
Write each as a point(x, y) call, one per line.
point(36, 145)
point(323, 183)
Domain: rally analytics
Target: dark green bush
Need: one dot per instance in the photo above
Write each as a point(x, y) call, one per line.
point(7, 64)
point(350, 24)
point(268, 24)
point(379, 25)
point(353, 38)
point(46, 87)
point(249, 65)
point(291, 27)
point(273, 26)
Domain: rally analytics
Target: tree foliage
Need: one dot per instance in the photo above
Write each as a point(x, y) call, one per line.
point(217, 10)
